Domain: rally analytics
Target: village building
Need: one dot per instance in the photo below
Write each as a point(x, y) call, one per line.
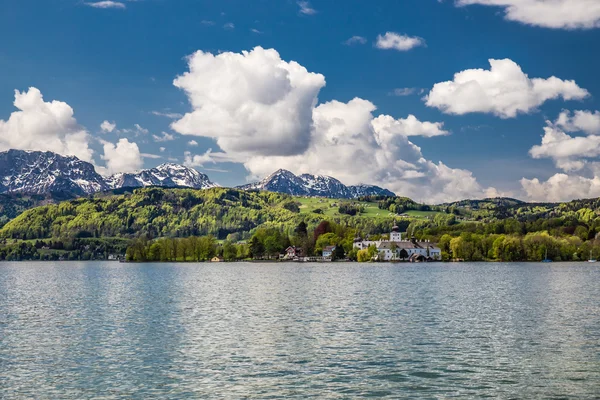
point(293, 252)
point(396, 249)
point(328, 251)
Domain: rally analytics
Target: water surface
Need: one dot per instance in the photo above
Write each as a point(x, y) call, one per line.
point(326, 331)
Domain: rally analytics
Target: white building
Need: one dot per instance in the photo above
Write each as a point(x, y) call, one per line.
point(398, 249)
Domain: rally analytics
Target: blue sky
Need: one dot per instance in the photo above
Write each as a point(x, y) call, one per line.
point(118, 64)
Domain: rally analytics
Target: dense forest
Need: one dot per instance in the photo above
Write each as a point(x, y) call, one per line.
point(173, 224)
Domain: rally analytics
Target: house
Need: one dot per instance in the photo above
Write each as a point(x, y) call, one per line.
point(293, 252)
point(328, 251)
point(216, 259)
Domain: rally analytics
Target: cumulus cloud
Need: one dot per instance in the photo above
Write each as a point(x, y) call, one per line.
point(585, 121)
point(355, 40)
point(106, 4)
point(558, 14)
point(410, 126)
point(262, 111)
point(108, 126)
point(124, 156)
point(251, 103)
point(46, 126)
point(504, 90)
point(570, 152)
point(229, 26)
point(192, 143)
point(373, 150)
point(396, 41)
point(561, 187)
point(572, 141)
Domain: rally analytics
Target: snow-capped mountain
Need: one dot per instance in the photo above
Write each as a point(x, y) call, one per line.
point(284, 181)
point(166, 175)
point(38, 172)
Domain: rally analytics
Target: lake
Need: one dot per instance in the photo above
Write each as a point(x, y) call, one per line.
point(323, 331)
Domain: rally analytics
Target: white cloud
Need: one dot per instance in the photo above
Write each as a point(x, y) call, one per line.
point(251, 103)
point(504, 90)
point(577, 151)
point(395, 41)
point(305, 8)
point(137, 130)
point(229, 25)
point(254, 30)
point(561, 187)
point(411, 126)
point(199, 160)
point(163, 137)
point(262, 111)
point(192, 143)
point(45, 126)
point(171, 115)
point(108, 126)
point(586, 121)
point(569, 153)
point(207, 22)
point(374, 151)
point(125, 156)
point(355, 40)
point(162, 149)
point(152, 156)
point(106, 4)
point(401, 92)
point(558, 14)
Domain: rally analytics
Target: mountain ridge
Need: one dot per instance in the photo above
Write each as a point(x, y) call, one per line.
point(44, 172)
point(284, 181)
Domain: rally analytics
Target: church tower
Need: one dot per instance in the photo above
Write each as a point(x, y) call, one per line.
point(395, 234)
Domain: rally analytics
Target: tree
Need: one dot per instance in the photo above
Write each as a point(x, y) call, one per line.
point(229, 251)
point(338, 253)
point(322, 228)
point(257, 250)
point(325, 240)
point(403, 254)
point(363, 256)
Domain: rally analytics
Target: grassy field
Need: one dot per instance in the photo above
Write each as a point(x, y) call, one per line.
point(329, 207)
point(421, 214)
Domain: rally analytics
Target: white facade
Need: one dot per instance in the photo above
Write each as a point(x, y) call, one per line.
point(395, 236)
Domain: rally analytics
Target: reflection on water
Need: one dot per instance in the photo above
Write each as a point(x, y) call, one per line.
point(90, 330)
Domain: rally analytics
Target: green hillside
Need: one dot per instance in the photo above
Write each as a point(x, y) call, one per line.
point(490, 229)
point(158, 212)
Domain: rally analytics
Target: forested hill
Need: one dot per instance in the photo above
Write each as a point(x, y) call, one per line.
point(163, 212)
point(160, 212)
point(491, 229)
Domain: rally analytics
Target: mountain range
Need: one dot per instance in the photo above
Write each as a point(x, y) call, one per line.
point(284, 181)
point(37, 172)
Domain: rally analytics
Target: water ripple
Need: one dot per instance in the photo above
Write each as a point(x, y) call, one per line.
point(252, 331)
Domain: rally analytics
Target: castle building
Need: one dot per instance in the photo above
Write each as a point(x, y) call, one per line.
point(397, 249)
